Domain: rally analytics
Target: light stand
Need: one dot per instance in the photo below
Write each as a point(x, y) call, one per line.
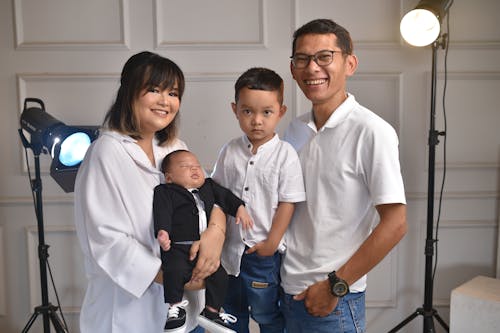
point(67, 146)
point(427, 310)
point(46, 309)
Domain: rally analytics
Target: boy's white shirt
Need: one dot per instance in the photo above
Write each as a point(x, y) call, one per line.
point(262, 180)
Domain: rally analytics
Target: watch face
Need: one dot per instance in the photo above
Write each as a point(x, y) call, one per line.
point(339, 289)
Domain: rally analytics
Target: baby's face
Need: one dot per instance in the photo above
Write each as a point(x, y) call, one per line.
point(186, 171)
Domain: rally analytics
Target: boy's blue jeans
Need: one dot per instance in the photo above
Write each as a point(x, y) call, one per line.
point(255, 293)
point(347, 317)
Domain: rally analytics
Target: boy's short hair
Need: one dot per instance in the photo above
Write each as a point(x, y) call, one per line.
point(259, 78)
point(167, 160)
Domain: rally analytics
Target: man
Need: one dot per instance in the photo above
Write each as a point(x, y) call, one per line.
point(355, 211)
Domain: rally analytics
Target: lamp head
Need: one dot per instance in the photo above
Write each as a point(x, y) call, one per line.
point(421, 26)
point(66, 145)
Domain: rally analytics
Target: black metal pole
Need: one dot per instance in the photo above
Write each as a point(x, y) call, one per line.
point(427, 310)
point(42, 247)
point(48, 311)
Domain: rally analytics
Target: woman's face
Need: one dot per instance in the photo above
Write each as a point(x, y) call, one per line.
point(155, 109)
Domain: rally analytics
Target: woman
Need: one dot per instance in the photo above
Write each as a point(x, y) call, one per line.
point(113, 204)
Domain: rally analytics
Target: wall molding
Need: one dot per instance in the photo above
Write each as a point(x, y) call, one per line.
point(463, 195)
point(34, 266)
point(162, 44)
point(3, 294)
point(122, 43)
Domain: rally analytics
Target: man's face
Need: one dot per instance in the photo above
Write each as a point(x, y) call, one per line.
point(323, 85)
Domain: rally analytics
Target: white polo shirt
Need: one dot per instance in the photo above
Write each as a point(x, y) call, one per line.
point(350, 166)
point(263, 180)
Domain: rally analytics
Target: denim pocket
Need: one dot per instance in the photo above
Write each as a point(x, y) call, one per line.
point(357, 310)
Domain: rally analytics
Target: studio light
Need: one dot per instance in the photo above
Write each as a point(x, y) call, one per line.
point(66, 145)
point(421, 26)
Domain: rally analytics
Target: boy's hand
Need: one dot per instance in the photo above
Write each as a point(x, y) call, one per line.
point(264, 249)
point(244, 218)
point(164, 240)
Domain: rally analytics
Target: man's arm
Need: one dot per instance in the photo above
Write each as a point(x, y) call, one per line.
point(281, 220)
point(319, 301)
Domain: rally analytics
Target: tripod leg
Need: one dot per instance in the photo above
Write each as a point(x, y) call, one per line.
point(406, 321)
point(30, 322)
point(58, 326)
point(441, 321)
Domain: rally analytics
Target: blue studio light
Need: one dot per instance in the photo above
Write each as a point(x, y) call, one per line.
point(67, 145)
point(73, 148)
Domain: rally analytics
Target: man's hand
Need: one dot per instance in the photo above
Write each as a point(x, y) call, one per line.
point(164, 240)
point(318, 299)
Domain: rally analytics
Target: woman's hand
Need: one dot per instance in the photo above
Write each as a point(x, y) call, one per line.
point(209, 248)
point(191, 285)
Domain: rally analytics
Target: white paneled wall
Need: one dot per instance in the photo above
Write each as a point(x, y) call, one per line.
point(70, 54)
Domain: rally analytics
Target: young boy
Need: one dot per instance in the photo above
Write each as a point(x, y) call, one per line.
point(181, 208)
point(265, 172)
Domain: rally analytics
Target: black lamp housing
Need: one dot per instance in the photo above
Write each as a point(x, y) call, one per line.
point(66, 145)
point(438, 7)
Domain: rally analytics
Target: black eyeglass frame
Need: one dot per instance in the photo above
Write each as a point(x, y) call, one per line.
point(313, 57)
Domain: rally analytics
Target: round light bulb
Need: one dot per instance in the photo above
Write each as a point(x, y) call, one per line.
point(420, 27)
point(73, 148)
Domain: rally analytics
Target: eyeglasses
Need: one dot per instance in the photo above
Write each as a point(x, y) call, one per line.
point(321, 58)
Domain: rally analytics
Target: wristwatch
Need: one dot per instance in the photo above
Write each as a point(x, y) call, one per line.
point(338, 287)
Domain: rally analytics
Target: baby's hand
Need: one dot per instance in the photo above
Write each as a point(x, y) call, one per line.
point(244, 218)
point(164, 240)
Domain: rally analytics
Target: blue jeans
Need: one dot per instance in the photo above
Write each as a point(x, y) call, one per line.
point(347, 317)
point(255, 293)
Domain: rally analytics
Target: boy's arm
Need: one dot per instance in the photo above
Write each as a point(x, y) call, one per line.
point(281, 220)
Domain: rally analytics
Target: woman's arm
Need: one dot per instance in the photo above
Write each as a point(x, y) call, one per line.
point(209, 248)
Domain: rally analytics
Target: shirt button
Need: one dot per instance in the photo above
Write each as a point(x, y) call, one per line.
point(251, 162)
point(246, 188)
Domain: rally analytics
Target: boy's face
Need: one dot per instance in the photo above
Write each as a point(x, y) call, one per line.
point(258, 112)
point(185, 170)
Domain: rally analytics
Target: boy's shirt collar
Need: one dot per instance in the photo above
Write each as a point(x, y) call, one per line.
point(273, 141)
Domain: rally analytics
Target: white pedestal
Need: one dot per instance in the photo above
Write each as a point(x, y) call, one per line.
point(475, 306)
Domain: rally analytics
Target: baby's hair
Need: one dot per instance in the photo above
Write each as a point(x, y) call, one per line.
point(167, 160)
point(259, 78)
